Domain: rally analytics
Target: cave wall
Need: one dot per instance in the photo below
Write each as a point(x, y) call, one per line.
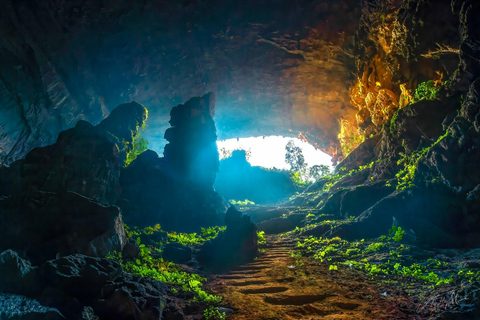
point(420, 171)
point(277, 67)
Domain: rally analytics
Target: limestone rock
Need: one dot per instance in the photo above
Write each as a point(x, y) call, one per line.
point(23, 308)
point(85, 159)
point(16, 273)
point(191, 154)
point(238, 244)
point(44, 225)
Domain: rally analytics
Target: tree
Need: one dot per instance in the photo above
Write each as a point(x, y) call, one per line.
point(294, 157)
point(318, 171)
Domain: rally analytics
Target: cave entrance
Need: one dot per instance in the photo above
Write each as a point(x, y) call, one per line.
point(269, 151)
point(255, 168)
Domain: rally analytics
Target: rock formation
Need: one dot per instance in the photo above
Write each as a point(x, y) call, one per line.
point(238, 244)
point(191, 154)
point(420, 171)
point(177, 190)
point(85, 159)
point(60, 69)
point(80, 287)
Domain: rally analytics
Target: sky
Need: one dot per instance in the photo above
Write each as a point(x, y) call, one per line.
point(269, 152)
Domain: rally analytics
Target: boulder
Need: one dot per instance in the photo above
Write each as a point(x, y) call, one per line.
point(133, 297)
point(152, 194)
point(361, 155)
point(85, 159)
point(44, 225)
point(432, 216)
point(176, 191)
point(16, 273)
point(83, 287)
point(16, 307)
point(177, 253)
point(191, 153)
point(238, 244)
point(281, 224)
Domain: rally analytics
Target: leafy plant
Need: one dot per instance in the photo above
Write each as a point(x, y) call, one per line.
point(294, 157)
point(186, 239)
point(261, 238)
point(212, 313)
point(245, 202)
point(426, 91)
point(156, 268)
point(396, 233)
point(405, 177)
point(139, 145)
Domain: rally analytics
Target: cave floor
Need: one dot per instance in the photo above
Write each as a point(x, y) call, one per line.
point(279, 286)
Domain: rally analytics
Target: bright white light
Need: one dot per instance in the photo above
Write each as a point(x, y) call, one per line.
point(269, 152)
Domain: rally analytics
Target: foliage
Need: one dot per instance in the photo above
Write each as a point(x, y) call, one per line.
point(158, 269)
point(299, 178)
point(396, 233)
point(186, 239)
point(212, 313)
point(426, 91)
point(405, 176)
point(331, 223)
point(261, 238)
point(333, 267)
point(349, 137)
point(139, 145)
point(340, 251)
point(332, 179)
point(294, 157)
point(226, 153)
point(318, 171)
point(375, 246)
point(245, 202)
point(194, 238)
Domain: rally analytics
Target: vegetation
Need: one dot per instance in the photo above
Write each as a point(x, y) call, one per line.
point(139, 145)
point(426, 91)
point(318, 171)
point(212, 313)
point(158, 269)
point(186, 239)
point(330, 223)
point(245, 202)
point(349, 137)
point(405, 176)
point(150, 265)
point(226, 153)
point(261, 238)
point(333, 179)
point(384, 257)
point(294, 157)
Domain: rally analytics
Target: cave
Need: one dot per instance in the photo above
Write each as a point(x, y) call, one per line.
point(243, 160)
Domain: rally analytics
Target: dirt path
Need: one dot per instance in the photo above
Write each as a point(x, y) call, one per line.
point(277, 286)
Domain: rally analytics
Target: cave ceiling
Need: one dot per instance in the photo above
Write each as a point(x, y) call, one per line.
point(277, 67)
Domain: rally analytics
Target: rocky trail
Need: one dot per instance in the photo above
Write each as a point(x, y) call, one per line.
point(279, 286)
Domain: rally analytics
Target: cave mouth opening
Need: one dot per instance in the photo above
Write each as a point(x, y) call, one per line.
point(255, 169)
point(269, 151)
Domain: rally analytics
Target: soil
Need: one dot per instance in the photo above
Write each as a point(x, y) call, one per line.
point(279, 286)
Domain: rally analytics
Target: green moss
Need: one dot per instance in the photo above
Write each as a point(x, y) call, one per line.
point(186, 239)
point(158, 269)
point(405, 177)
point(426, 91)
point(139, 145)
